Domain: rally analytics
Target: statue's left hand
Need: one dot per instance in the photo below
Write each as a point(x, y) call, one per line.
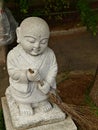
point(45, 88)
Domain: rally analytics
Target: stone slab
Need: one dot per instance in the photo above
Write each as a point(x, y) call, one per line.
point(39, 118)
point(66, 124)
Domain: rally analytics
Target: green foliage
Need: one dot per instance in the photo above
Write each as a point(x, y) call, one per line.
point(89, 101)
point(56, 8)
point(24, 5)
point(91, 104)
point(88, 17)
point(56, 5)
point(59, 8)
point(38, 12)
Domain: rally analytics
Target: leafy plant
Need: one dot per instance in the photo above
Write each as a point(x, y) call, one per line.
point(56, 8)
point(88, 17)
point(38, 12)
point(59, 8)
point(24, 5)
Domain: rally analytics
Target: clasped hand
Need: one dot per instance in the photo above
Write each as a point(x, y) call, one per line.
point(34, 75)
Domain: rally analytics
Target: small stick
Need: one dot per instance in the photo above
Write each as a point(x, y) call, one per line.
point(32, 72)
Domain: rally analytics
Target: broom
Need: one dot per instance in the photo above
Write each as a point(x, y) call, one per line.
point(82, 115)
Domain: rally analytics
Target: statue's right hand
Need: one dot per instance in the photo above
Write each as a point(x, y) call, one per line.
point(33, 75)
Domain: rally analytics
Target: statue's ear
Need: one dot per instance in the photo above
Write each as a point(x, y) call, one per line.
point(18, 34)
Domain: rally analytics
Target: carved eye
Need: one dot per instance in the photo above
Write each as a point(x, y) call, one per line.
point(44, 41)
point(31, 40)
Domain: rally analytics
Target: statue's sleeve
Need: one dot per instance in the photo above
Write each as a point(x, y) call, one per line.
point(52, 73)
point(14, 71)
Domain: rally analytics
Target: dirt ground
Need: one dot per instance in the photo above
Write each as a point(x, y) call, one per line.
point(78, 51)
point(73, 89)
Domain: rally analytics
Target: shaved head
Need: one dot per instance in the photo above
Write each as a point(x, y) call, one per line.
point(36, 25)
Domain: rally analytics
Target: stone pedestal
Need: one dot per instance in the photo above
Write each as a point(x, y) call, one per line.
point(63, 124)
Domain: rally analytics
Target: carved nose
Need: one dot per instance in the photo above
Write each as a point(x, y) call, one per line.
point(37, 45)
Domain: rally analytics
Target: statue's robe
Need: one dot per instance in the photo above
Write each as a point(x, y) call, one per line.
point(18, 62)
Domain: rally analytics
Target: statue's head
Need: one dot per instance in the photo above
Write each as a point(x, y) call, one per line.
point(33, 35)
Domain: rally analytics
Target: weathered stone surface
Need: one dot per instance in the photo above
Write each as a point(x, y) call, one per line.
point(66, 124)
point(94, 91)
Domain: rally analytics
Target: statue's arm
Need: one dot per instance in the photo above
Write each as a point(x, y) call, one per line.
point(14, 72)
point(52, 73)
point(49, 81)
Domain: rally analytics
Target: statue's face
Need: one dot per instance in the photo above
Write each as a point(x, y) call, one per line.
point(34, 42)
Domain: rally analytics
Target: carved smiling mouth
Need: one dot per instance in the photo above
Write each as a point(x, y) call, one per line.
point(35, 50)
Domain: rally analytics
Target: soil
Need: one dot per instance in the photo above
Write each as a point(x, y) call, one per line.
point(73, 89)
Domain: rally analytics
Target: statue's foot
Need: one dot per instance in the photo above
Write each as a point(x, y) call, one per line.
point(44, 107)
point(25, 109)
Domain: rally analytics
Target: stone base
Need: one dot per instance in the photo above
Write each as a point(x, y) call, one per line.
point(39, 118)
point(67, 124)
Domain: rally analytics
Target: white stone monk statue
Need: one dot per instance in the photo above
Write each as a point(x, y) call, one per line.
point(32, 67)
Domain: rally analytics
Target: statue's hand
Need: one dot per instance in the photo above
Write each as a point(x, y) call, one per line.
point(45, 88)
point(33, 75)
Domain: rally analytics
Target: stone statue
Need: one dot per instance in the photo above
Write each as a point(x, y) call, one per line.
point(32, 67)
point(32, 70)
